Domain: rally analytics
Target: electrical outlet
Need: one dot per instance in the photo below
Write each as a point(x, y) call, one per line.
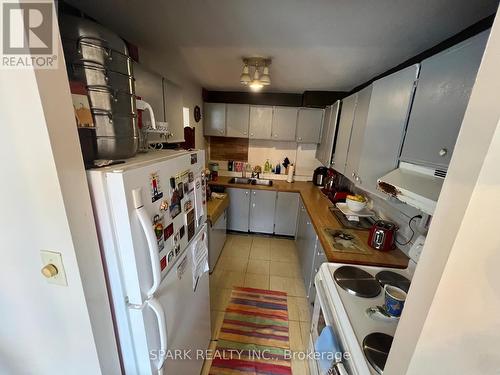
point(53, 268)
point(416, 248)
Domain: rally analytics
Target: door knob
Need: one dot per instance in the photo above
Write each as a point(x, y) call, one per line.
point(49, 271)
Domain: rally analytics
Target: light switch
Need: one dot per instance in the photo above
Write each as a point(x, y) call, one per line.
point(53, 268)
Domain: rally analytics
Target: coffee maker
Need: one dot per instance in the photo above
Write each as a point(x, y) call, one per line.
point(319, 176)
point(332, 188)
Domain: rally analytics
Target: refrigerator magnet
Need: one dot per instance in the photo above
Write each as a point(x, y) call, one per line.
point(158, 229)
point(163, 263)
point(156, 192)
point(169, 230)
point(170, 256)
point(182, 231)
point(164, 205)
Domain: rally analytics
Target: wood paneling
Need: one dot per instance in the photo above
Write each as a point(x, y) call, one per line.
point(222, 148)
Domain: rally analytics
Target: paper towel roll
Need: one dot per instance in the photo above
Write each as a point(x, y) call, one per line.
point(289, 178)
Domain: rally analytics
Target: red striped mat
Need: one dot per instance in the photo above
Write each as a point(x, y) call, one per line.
point(254, 335)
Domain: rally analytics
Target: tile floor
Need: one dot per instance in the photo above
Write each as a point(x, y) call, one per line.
point(262, 262)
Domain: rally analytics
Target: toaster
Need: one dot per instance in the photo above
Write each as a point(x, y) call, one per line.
point(382, 235)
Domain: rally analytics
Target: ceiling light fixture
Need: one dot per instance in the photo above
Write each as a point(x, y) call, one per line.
point(260, 79)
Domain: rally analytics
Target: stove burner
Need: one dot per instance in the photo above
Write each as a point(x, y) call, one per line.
point(394, 279)
point(376, 347)
point(357, 282)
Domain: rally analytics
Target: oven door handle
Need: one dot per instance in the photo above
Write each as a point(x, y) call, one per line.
point(340, 369)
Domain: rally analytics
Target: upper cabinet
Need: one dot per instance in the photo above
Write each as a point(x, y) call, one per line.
point(261, 119)
point(442, 94)
point(309, 125)
point(149, 87)
point(344, 133)
point(173, 103)
point(237, 120)
point(325, 149)
point(214, 123)
point(284, 123)
point(358, 133)
point(375, 150)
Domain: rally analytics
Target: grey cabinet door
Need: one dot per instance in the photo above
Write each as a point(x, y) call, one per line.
point(344, 133)
point(324, 152)
point(284, 123)
point(239, 209)
point(173, 101)
point(441, 98)
point(300, 237)
point(214, 119)
point(309, 122)
point(262, 205)
point(305, 242)
point(285, 220)
point(319, 259)
point(389, 108)
point(261, 120)
point(237, 120)
point(149, 87)
point(358, 133)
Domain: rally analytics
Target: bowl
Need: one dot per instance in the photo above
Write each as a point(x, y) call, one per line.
point(355, 206)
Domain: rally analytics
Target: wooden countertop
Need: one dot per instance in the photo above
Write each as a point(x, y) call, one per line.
point(317, 205)
point(215, 208)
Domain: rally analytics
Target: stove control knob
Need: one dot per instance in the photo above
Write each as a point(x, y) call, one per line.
point(49, 271)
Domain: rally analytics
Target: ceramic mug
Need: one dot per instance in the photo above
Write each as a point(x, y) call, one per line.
point(394, 300)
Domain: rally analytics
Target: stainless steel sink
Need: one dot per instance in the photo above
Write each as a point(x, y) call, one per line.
point(252, 181)
point(262, 181)
point(240, 180)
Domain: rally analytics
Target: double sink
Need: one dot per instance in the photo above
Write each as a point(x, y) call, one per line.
point(251, 181)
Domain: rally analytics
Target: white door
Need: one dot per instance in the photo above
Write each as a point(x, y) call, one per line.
point(185, 306)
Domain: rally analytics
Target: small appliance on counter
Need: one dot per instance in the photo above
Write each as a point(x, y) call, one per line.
point(319, 176)
point(213, 167)
point(382, 235)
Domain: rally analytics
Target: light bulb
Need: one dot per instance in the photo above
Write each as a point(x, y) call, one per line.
point(265, 79)
point(245, 76)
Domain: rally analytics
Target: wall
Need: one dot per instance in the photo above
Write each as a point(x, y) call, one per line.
point(478, 127)
point(171, 68)
point(46, 328)
point(301, 154)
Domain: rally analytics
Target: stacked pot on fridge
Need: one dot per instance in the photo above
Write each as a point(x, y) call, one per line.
point(99, 59)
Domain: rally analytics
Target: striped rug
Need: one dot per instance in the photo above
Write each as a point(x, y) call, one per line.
point(254, 334)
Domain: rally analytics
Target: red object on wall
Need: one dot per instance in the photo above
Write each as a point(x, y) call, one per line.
point(163, 263)
point(188, 138)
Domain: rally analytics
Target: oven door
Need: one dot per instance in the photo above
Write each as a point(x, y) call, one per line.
point(323, 315)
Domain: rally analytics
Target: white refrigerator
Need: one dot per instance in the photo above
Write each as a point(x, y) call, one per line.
point(150, 213)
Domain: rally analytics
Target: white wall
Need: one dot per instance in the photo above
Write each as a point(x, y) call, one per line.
point(478, 127)
point(170, 67)
point(46, 328)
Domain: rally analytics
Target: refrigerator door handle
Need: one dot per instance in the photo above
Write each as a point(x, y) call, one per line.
point(152, 247)
point(162, 328)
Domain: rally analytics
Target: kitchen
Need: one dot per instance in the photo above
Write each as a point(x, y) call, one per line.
point(190, 209)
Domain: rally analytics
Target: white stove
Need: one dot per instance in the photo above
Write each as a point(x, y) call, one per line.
point(345, 294)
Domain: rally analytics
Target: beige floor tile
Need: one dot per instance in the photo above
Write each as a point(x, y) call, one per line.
point(238, 264)
point(235, 251)
point(284, 254)
point(295, 336)
point(284, 269)
point(219, 299)
point(300, 367)
point(258, 266)
point(282, 284)
point(262, 253)
point(282, 242)
point(230, 279)
point(259, 241)
point(257, 281)
point(300, 308)
point(299, 289)
point(241, 241)
point(217, 317)
point(305, 328)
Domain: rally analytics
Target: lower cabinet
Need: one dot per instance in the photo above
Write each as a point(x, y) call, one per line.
point(319, 259)
point(285, 219)
point(239, 209)
point(306, 240)
point(262, 205)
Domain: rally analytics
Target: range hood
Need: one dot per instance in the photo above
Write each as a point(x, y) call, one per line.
point(414, 185)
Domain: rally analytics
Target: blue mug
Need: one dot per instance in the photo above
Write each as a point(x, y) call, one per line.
point(394, 300)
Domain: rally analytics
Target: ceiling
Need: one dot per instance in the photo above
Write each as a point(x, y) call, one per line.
point(315, 44)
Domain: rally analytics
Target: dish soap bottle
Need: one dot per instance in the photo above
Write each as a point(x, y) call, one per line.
point(267, 167)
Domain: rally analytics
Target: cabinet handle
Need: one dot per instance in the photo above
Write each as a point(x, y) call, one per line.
point(276, 135)
point(443, 152)
point(254, 193)
point(300, 138)
point(244, 133)
point(308, 222)
point(253, 205)
point(251, 134)
point(246, 192)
